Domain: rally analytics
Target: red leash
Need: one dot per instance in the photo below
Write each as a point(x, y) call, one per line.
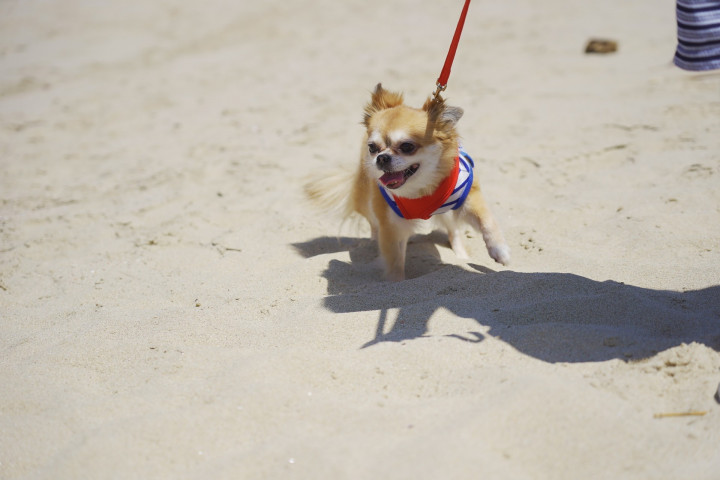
point(445, 73)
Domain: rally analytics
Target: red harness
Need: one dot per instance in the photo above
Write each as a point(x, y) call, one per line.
point(424, 207)
point(449, 195)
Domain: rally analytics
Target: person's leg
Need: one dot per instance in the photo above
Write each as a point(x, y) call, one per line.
point(698, 32)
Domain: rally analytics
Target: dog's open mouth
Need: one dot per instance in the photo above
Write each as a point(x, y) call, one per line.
point(395, 180)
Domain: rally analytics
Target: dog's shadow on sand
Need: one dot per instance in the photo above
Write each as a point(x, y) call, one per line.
point(555, 317)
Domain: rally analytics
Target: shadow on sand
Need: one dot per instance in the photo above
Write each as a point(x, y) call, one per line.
point(555, 317)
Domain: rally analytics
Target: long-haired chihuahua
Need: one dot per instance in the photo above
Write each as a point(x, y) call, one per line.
point(412, 169)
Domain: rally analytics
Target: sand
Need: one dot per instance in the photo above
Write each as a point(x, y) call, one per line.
point(171, 307)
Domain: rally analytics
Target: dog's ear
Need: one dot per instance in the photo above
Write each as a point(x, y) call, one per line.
point(380, 100)
point(442, 115)
point(451, 115)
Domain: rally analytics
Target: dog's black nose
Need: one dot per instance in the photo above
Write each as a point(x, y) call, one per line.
point(383, 160)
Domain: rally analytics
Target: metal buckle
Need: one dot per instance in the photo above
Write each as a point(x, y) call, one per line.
point(440, 88)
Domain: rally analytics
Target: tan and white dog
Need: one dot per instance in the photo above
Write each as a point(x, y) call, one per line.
point(411, 168)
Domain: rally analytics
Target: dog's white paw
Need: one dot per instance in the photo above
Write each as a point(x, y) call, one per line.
point(500, 253)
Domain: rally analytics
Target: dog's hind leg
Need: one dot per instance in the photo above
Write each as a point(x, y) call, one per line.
point(455, 238)
point(454, 232)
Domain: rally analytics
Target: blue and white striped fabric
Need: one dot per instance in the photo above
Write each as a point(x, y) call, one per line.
point(462, 187)
point(698, 32)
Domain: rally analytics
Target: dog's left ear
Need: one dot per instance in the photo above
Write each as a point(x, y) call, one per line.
point(451, 115)
point(442, 114)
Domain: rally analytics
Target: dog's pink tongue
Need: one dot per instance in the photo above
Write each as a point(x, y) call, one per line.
point(393, 179)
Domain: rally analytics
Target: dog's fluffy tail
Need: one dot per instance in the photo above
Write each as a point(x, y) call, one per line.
point(332, 192)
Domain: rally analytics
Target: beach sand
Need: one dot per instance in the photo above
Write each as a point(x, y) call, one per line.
point(171, 307)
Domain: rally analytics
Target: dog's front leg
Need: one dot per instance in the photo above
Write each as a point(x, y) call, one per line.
point(479, 216)
point(392, 233)
point(392, 242)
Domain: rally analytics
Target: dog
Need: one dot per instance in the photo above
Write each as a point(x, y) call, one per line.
point(412, 168)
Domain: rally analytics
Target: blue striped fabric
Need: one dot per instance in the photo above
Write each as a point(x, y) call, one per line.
point(698, 32)
point(462, 187)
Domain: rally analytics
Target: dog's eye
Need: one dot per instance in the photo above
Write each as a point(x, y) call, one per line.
point(373, 148)
point(407, 147)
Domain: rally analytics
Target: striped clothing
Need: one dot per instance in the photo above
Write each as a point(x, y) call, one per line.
point(441, 201)
point(698, 32)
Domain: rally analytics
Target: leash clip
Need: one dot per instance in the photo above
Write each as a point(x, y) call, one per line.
point(440, 88)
